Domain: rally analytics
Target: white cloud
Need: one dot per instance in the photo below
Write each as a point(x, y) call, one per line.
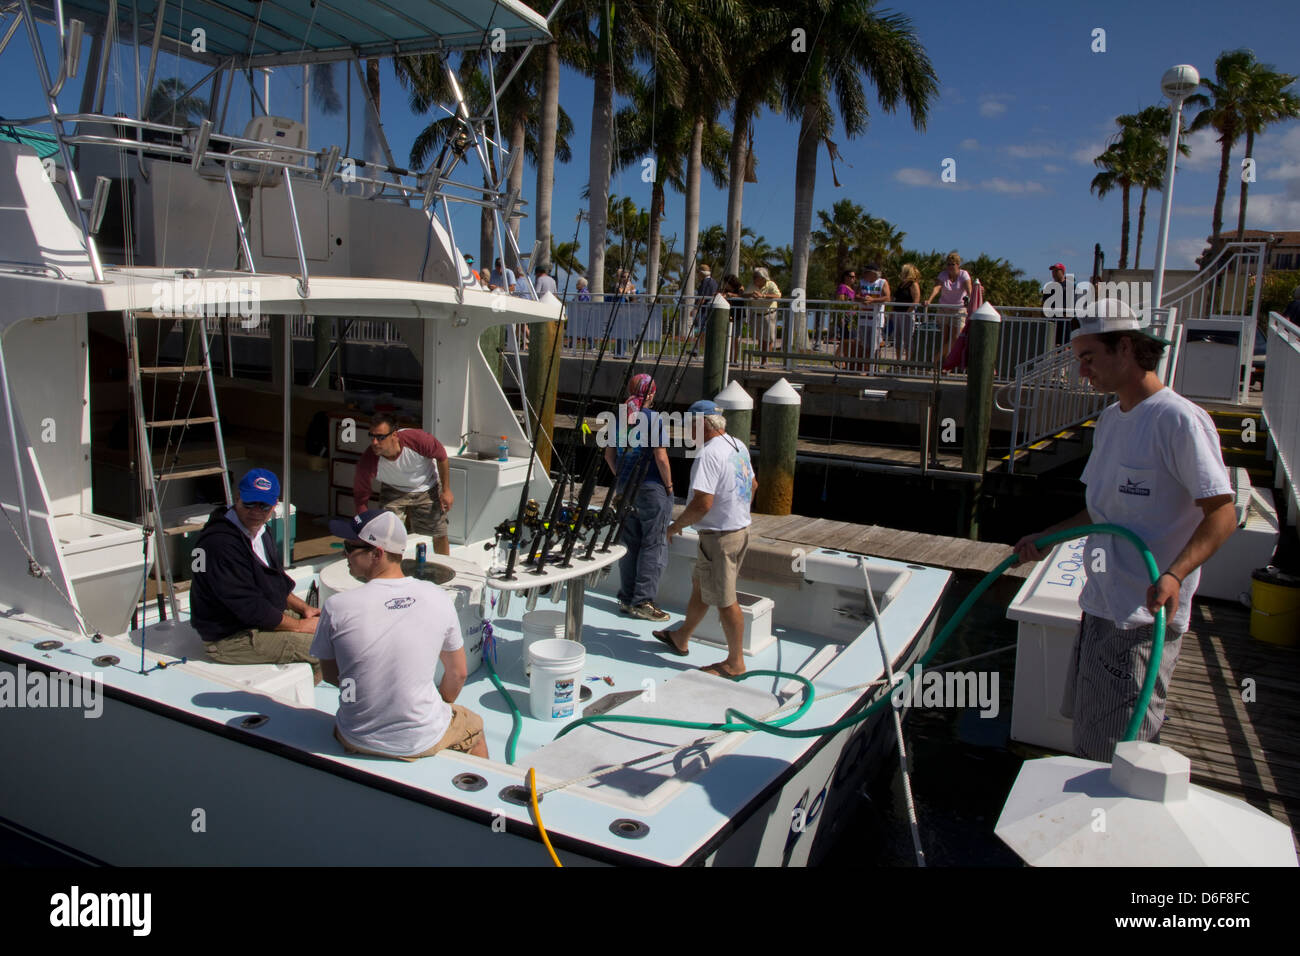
point(1031, 150)
point(911, 176)
point(1089, 151)
point(999, 185)
point(1184, 252)
point(969, 144)
point(1049, 168)
point(1205, 151)
point(1289, 170)
point(992, 105)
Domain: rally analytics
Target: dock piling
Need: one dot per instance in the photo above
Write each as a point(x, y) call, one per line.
point(778, 442)
point(985, 327)
point(715, 346)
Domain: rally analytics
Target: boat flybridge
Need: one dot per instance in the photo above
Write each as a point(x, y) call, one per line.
point(187, 761)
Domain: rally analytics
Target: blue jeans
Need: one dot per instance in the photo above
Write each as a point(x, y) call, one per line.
point(647, 548)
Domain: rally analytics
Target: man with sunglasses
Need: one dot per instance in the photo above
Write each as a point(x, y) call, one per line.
point(412, 467)
point(242, 601)
point(381, 644)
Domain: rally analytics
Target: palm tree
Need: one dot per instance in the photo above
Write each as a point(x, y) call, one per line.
point(655, 127)
point(1268, 101)
point(518, 109)
point(565, 256)
point(694, 31)
point(712, 248)
point(607, 55)
point(766, 39)
point(842, 233)
point(759, 252)
point(853, 43)
point(1122, 164)
point(880, 239)
point(1244, 94)
point(550, 116)
point(169, 104)
point(1151, 128)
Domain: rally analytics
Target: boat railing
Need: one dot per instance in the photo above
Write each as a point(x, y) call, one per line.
point(253, 162)
point(1046, 394)
point(1281, 403)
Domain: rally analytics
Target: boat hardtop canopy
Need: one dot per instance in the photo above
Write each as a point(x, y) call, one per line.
point(296, 32)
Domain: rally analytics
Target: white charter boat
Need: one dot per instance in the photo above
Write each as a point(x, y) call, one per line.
point(166, 758)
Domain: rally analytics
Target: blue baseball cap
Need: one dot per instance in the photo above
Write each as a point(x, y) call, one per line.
point(705, 406)
point(259, 486)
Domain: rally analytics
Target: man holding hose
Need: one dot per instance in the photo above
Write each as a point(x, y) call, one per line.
point(1157, 470)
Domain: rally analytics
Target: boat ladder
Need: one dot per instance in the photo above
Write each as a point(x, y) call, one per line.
point(193, 372)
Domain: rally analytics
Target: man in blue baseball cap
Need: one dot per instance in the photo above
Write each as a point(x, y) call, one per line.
point(242, 601)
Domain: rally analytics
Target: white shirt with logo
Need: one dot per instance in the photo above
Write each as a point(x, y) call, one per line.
point(387, 636)
point(409, 471)
point(723, 469)
point(1149, 466)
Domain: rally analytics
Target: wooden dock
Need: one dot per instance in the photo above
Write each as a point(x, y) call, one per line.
point(1234, 711)
point(785, 532)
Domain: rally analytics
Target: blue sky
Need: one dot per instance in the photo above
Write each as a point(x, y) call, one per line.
point(1024, 105)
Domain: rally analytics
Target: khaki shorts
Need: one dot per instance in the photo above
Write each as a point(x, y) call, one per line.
point(254, 646)
point(464, 733)
point(718, 566)
point(420, 511)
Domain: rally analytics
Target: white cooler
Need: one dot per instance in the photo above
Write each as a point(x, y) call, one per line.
point(1047, 609)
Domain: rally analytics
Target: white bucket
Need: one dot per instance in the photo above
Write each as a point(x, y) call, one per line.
point(556, 681)
point(540, 626)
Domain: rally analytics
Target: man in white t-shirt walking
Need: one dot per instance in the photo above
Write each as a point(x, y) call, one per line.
point(412, 466)
point(381, 644)
point(722, 487)
point(1156, 469)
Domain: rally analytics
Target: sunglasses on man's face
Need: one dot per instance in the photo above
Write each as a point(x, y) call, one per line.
point(379, 436)
point(352, 547)
point(257, 505)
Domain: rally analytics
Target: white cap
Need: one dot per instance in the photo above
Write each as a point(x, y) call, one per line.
point(1112, 315)
point(377, 527)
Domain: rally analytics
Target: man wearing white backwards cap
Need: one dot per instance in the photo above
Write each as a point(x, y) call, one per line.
point(1156, 469)
point(381, 644)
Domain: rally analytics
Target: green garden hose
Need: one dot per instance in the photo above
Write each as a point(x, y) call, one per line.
point(517, 719)
point(777, 727)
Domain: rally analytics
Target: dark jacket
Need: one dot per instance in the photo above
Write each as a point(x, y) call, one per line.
point(234, 590)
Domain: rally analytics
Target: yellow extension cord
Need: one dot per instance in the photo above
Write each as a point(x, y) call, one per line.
point(537, 816)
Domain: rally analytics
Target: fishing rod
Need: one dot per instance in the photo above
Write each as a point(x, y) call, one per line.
point(564, 470)
point(640, 468)
point(542, 542)
point(670, 394)
point(522, 515)
point(528, 477)
point(591, 473)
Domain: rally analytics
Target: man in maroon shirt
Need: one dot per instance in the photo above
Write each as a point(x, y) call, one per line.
point(411, 465)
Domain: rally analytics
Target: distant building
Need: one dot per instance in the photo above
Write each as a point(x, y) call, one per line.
point(1283, 250)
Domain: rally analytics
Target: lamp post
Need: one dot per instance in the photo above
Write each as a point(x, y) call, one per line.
point(1178, 83)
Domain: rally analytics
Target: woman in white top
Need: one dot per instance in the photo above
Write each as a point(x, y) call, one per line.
point(952, 287)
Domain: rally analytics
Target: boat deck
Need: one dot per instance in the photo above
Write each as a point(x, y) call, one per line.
point(620, 648)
